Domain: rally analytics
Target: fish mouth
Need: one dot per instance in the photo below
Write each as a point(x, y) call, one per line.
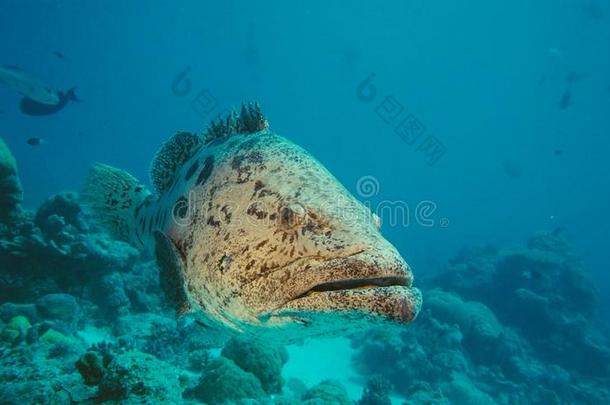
point(359, 287)
point(367, 283)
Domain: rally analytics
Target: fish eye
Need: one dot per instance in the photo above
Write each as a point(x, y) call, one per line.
point(292, 215)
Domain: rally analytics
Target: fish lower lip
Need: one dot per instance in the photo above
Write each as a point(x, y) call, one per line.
point(357, 283)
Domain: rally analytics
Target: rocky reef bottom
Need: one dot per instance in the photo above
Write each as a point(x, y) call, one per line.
point(82, 320)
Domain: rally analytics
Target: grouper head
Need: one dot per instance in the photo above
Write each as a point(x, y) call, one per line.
point(275, 243)
point(253, 235)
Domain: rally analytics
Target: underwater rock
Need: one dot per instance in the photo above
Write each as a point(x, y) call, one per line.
point(16, 330)
point(62, 256)
point(478, 325)
point(11, 193)
point(40, 373)
point(520, 323)
point(135, 376)
point(10, 310)
point(141, 285)
point(90, 367)
point(52, 336)
point(198, 360)
point(64, 207)
point(61, 311)
point(462, 391)
point(111, 291)
point(262, 360)
point(223, 381)
point(327, 392)
point(377, 392)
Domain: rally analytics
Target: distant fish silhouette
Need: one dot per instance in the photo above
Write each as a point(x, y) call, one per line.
point(35, 141)
point(1, 111)
point(18, 80)
point(32, 107)
point(59, 55)
point(511, 170)
point(558, 152)
point(566, 99)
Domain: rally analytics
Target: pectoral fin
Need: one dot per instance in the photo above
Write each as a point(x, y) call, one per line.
point(171, 273)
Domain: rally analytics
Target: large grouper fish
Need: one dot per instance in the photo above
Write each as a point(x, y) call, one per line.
point(253, 235)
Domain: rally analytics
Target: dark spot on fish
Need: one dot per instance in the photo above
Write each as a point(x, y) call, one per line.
point(254, 210)
point(206, 171)
point(237, 161)
point(228, 214)
point(261, 244)
point(255, 157)
point(191, 170)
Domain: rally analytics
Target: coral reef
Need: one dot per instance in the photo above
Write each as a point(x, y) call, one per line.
point(377, 392)
point(222, 380)
point(138, 377)
point(83, 320)
point(499, 326)
point(11, 193)
point(262, 360)
point(327, 392)
point(46, 252)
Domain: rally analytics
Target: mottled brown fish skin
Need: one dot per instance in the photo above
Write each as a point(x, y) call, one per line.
point(260, 224)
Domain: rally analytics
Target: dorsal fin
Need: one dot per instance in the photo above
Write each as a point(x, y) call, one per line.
point(249, 120)
point(172, 155)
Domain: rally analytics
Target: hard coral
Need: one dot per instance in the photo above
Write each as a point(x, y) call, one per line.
point(223, 381)
point(262, 360)
point(137, 376)
point(11, 193)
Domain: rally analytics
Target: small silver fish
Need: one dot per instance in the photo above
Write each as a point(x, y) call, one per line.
point(253, 235)
point(14, 78)
point(35, 141)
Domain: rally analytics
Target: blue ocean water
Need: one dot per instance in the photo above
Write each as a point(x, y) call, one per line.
point(478, 131)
